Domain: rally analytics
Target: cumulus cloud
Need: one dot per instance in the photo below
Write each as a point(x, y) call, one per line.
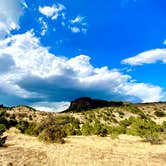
point(6, 63)
point(10, 13)
point(147, 57)
point(53, 11)
point(38, 76)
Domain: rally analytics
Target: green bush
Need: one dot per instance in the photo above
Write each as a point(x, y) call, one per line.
point(4, 121)
point(147, 129)
point(2, 130)
point(22, 126)
point(87, 129)
point(121, 114)
point(133, 109)
point(48, 130)
point(159, 113)
point(12, 122)
point(2, 113)
point(52, 134)
point(69, 129)
point(30, 117)
point(115, 131)
point(100, 130)
point(125, 122)
point(164, 126)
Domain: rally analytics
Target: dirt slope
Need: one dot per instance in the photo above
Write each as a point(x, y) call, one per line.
point(23, 150)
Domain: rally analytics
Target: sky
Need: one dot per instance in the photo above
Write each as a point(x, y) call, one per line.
point(54, 51)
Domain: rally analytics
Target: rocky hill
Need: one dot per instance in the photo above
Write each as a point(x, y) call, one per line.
point(86, 103)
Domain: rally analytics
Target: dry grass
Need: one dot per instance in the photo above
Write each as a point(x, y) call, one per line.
point(81, 151)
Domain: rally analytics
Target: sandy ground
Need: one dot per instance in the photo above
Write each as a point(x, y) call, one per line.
point(23, 150)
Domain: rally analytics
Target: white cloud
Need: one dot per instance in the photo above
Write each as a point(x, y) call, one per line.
point(44, 27)
point(147, 57)
point(148, 93)
point(51, 106)
point(84, 30)
point(52, 11)
point(75, 29)
point(78, 19)
point(164, 42)
point(10, 13)
point(38, 76)
point(75, 25)
point(78, 24)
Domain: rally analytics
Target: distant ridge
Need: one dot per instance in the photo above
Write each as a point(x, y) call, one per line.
point(86, 103)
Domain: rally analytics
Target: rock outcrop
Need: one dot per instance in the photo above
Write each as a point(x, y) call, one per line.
point(86, 103)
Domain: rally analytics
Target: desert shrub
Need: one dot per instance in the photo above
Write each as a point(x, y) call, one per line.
point(48, 130)
point(51, 130)
point(87, 129)
point(164, 130)
point(125, 122)
point(144, 116)
point(153, 138)
point(70, 125)
point(120, 129)
point(12, 116)
point(100, 130)
point(133, 109)
point(52, 134)
point(121, 114)
point(164, 126)
point(12, 122)
point(62, 120)
point(69, 129)
point(2, 138)
point(28, 128)
point(30, 117)
point(147, 129)
point(22, 126)
point(115, 131)
point(32, 129)
point(7, 114)
point(105, 118)
point(159, 113)
point(4, 121)
point(107, 113)
point(114, 120)
point(2, 113)
point(22, 115)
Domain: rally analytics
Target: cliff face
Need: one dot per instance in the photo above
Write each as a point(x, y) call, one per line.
point(86, 103)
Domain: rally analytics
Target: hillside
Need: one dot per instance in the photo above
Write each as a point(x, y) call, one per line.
point(93, 132)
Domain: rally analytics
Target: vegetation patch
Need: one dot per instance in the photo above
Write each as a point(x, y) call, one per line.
point(159, 113)
point(2, 138)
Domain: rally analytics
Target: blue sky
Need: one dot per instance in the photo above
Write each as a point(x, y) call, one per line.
point(52, 52)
